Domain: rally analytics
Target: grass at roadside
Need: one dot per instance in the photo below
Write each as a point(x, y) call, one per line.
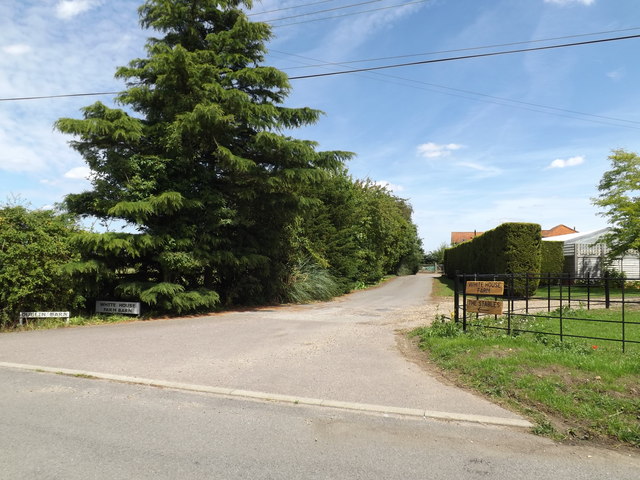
point(443, 287)
point(569, 389)
point(50, 323)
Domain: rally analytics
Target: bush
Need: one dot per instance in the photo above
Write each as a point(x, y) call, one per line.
point(552, 260)
point(509, 248)
point(34, 245)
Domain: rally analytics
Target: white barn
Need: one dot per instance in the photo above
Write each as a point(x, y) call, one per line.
point(583, 255)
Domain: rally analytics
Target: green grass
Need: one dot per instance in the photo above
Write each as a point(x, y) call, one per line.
point(603, 326)
point(443, 287)
point(50, 323)
point(569, 389)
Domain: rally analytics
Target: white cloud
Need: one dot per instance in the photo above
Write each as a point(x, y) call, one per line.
point(569, 2)
point(390, 186)
point(569, 162)
point(78, 173)
point(434, 150)
point(70, 8)
point(17, 49)
point(485, 170)
point(616, 74)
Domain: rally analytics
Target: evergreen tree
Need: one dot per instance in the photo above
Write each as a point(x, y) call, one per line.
point(197, 163)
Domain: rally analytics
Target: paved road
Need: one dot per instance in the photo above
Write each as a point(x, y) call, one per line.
point(57, 426)
point(67, 428)
point(342, 350)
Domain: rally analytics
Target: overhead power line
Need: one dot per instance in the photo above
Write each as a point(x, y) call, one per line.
point(486, 98)
point(373, 69)
point(289, 8)
point(351, 5)
point(466, 57)
point(467, 49)
point(346, 14)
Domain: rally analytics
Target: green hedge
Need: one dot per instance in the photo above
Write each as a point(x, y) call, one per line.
point(552, 260)
point(508, 248)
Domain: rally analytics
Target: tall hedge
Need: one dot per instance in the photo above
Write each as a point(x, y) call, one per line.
point(508, 248)
point(552, 259)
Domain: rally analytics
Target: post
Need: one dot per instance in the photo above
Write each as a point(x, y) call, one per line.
point(526, 294)
point(623, 320)
point(549, 292)
point(607, 292)
point(560, 309)
point(456, 297)
point(464, 302)
point(588, 290)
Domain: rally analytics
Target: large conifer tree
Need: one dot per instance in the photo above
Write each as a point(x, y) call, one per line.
point(197, 162)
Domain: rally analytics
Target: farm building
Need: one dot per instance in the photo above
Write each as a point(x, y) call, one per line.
point(583, 255)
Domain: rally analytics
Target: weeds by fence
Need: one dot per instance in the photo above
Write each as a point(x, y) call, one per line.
point(604, 309)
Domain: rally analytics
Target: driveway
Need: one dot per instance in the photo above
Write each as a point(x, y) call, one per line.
point(343, 350)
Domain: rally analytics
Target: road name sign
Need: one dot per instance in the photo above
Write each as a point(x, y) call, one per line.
point(484, 288)
point(492, 307)
point(125, 308)
point(25, 315)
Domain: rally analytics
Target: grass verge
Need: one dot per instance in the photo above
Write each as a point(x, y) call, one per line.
point(570, 390)
point(50, 323)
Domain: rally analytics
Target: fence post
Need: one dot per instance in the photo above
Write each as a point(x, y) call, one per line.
point(560, 309)
point(511, 296)
point(526, 294)
point(623, 319)
point(607, 293)
point(464, 302)
point(456, 297)
point(588, 290)
point(549, 292)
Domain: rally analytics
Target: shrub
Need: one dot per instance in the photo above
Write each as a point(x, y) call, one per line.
point(34, 245)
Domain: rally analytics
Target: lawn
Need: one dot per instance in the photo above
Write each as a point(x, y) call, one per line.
point(569, 389)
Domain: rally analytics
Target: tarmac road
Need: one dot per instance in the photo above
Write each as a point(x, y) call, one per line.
point(342, 350)
point(332, 396)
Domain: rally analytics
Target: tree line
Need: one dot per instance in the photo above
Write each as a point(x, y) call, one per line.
point(221, 205)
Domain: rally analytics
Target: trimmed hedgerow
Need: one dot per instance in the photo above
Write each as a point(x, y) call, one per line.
point(508, 248)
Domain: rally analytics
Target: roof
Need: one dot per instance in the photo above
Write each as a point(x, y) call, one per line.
point(558, 230)
point(459, 237)
point(587, 238)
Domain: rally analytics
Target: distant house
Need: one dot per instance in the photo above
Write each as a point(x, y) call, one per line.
point(459, 237)
point(583, 255)
point(558, 230)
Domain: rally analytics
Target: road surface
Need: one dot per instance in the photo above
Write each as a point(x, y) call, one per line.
point(337, 353)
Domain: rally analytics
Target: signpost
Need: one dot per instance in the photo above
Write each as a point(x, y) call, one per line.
point(123, 308)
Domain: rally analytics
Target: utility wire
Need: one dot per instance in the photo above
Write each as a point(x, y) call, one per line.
point(493, 99)
point(352, 5)
point(466, 57)
point(384, 67)
point(289, 8)
point(349, 14)
point(440, 52)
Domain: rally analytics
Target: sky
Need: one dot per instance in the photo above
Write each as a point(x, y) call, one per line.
point(470, 143)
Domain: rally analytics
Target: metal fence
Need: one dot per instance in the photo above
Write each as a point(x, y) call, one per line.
point(559, 301)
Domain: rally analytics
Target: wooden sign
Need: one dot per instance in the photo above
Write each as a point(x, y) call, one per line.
point(485, 288)
point(492, 307)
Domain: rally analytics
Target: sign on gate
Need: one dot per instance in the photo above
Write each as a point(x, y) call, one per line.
point(492, 307)
point(484, 288)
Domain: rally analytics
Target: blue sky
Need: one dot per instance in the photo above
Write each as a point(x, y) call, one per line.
point(470, 143)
